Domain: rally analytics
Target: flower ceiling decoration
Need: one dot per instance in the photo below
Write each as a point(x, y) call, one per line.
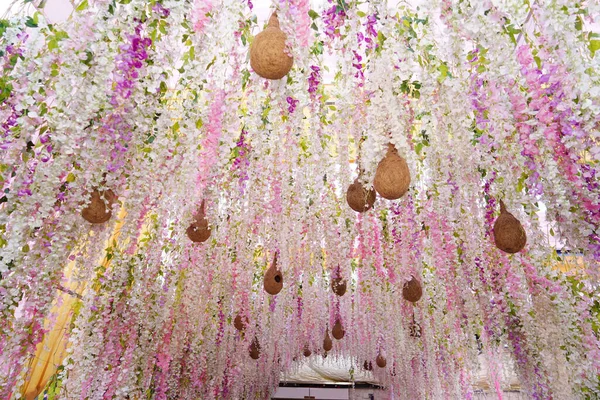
point(226, 225)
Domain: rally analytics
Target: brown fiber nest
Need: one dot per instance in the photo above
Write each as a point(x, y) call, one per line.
point(338, 331)
point(360, 199)
point(99, 209)
point(267, 52)
point(509, 234)
point(381, 361)
point(338, 285)
point(306, 351)
point(240, 323)
point(199, 231)
point(392, 177)
point(412, 290)
point(254, 349)
point(273, 281)
point(327, 342)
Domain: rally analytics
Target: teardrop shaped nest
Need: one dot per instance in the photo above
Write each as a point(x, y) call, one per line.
point(381, 361)
point(412, 290)
point(306, 352)
point(99, 209)
point(254, 349)
point(240, 323)
point(199, 231)
point(392, 178)
point(273, 280)
point(267, 52)
point(338, 331)
point(327, 342)
point(509, 235)
point(338, 285)
point(359, 198)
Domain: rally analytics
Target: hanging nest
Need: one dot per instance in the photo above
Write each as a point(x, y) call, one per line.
point(360, 199)
point(392, 177)
point(267, 52)
point(381, 361)
point(414, 329)
point(412, 290)
point(254, 349)
point(509, 234)
point(99, 209)
point(199, 231)
point(327, 342)
point(338, 331)
point(240, 323)
point(273, 281)
point(338, 285)
point(368, 366)
point(306, 351)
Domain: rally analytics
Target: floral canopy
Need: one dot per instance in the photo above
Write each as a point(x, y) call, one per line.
point(206, 212)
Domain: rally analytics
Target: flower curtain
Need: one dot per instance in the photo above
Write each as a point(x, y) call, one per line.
point(156, 104)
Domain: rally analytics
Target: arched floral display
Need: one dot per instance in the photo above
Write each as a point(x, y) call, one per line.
point(151, 111)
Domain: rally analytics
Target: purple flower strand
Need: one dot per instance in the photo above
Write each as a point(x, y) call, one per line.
point(314, 79)
point(292, 103)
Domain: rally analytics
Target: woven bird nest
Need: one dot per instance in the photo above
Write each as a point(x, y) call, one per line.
point(306, 351)
point(199, 231)
point(338, 285)
point(381, 361)
point(509, 234)
point(240, 323)
point(392, 177)
point(412, 290)
point(99, 209)
point(254, 349)
point(327, 342)
point(273, 281)
point(359, 198)
point(267, 52)
point(338, 331)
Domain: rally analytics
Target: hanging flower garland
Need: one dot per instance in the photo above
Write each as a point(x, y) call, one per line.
point(160, 104)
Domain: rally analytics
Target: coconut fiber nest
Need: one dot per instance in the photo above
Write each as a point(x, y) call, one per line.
point(412, 290)
point(99, 209)
point(509, 234)
point(199, 231)
point(273, 281)
point(338, 331)
point(327, 342)
point(240, 323)
point(306, 351)
point(267, 52)
point(392, 177)
point(360, 199)
point(254, 349)
point(338, 285)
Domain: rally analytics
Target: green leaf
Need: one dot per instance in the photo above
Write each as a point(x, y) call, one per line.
point(70, 177)
point(211, 63)
point(31, 23)
point(53, 44)
point(443, 72)
point(594, 46)
point(313, 14)
point(3, 25)
point(82, 6)
point(418, 148)
point(361, 14)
